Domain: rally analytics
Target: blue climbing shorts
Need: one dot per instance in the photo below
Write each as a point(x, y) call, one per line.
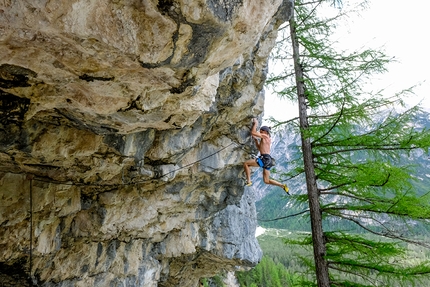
point(265, 161)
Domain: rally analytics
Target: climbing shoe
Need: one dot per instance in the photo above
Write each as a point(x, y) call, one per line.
point(248, 183)
point(285, 187)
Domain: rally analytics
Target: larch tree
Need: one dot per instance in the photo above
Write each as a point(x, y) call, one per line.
point(354, 146)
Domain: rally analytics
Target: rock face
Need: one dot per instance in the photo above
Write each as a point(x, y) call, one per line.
point(123, 128)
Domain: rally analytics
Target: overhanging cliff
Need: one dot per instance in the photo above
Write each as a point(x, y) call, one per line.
point(122, 132)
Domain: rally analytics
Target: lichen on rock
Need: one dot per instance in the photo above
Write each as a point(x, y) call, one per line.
point(123, 128)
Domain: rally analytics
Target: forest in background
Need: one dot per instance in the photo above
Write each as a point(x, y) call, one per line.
point(282, 266)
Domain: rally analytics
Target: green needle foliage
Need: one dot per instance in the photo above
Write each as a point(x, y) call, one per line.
point(359, 144)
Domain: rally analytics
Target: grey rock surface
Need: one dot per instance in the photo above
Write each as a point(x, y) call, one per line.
point(123, 128)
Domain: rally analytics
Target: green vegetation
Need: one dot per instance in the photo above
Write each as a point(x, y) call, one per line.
point(272, 242)
point(267, 273)
point(285, 264)
point(216, 281)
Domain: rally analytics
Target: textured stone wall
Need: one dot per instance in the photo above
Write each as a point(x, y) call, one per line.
point(123, 128)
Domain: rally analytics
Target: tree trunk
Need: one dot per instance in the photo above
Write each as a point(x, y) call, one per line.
point(313, 195)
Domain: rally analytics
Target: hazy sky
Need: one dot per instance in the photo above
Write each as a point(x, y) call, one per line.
point(399, 28)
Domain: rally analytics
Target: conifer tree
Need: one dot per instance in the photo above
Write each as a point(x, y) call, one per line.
point(354, 146)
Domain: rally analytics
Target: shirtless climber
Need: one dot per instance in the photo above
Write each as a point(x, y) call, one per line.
point(264, 160)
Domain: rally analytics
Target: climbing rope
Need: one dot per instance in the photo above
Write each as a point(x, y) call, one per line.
point(31, 280)
point(197, 161)
point(241, 146)
point(136, 182)
point(31, 229)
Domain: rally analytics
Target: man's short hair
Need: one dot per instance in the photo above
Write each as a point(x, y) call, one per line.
point(265, 128)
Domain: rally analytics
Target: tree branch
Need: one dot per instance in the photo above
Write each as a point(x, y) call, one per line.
point(288, 216)
point(379, 147)
point(387, 235)
point(346, 195)
point(366, 278)
point(322, 190)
